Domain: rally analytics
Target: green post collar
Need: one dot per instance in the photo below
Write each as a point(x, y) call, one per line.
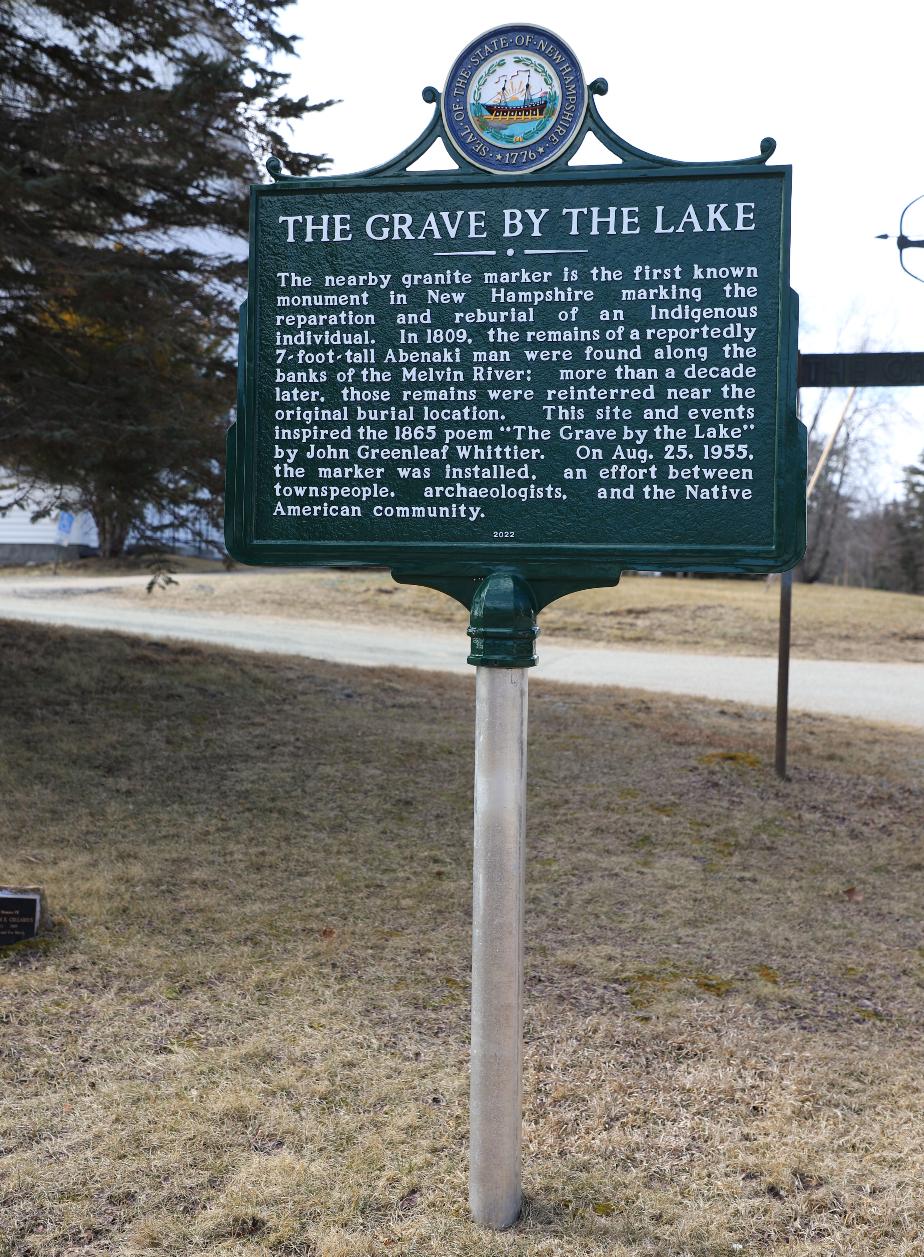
point(503, 625)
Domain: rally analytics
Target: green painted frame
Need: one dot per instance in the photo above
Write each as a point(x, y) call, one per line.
point(552, 570)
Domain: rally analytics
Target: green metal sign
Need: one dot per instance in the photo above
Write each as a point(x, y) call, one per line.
point(556, 373)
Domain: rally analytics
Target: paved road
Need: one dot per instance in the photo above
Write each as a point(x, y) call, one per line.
point(890, 692)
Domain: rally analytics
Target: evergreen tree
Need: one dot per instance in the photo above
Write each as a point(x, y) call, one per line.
point(128, 133)
point(907, 541)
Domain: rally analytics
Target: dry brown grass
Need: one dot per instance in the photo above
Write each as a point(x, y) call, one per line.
point(247, 1033)
point(705, 616)
point(126, 565)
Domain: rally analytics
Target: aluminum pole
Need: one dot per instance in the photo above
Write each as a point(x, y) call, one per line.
point(495, 1190)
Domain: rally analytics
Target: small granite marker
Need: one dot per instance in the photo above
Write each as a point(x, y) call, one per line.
point(21, 912)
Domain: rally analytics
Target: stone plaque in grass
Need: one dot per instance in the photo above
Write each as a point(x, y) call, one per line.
point(21, 912)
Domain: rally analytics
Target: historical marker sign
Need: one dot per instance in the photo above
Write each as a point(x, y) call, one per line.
point(569, 370)
point(511, 382)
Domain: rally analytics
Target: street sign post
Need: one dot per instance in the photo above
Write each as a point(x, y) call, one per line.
point(837, 370)
point(508, 382)
point(860, 370)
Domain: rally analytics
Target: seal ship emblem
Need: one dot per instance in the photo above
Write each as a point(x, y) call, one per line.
point(515, 114)
point(514, 100)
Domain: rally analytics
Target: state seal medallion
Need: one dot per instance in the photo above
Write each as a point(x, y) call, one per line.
point(514, 100)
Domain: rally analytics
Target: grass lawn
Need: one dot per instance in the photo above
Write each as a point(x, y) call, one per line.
point(247, 1031)
point(707, 616)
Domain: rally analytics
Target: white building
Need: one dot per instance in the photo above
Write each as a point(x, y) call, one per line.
point(58, 535)
point(62, 535)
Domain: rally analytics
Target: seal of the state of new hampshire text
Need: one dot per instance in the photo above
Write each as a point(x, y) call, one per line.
point(514, 99)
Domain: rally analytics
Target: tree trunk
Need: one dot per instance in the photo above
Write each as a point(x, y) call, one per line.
point(113, 524)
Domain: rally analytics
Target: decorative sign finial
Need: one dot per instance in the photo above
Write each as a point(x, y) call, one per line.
point(514, 100)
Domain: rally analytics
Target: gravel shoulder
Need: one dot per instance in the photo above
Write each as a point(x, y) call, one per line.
point(696, 616)
point(882, 691)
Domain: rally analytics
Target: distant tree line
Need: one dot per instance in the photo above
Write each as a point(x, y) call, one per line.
point(129, 130)
point(854, 537)
point(878, 545)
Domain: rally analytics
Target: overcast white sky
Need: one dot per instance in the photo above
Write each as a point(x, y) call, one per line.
point(838, 85)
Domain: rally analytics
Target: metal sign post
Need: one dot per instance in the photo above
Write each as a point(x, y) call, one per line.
point(782, 676)
point(838, 370)
point(503, 631)
point(785, 633)
point(510, 381)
